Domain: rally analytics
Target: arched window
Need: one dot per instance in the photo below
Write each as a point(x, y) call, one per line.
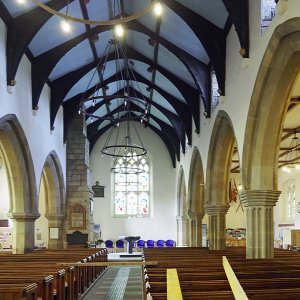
point(289, 202)
point(132, 190)
point(215, 96)
point(268, 10)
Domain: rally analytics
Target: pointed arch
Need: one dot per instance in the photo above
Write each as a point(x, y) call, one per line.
point(196, 183)
point(54, 182)
point(52, 192)
point(219, 161)
point(22, 182)
point(181, 194)
point(19, 165)
point(277, 73)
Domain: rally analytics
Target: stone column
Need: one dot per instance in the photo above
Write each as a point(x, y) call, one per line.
point(195, 228)
point(217, 226)
point(182, 231)
point(260, 222)
point(56, 221)
point(79, 186)
point(23, 232)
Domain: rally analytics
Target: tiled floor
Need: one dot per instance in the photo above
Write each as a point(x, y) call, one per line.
point(118, 283)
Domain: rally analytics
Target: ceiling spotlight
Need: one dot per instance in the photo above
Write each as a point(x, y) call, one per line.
point(157, 9)
point(65, 26)
point(94, 38)
point(21, 1)
point(152, 42)
point(119, 30)
point(150, 69)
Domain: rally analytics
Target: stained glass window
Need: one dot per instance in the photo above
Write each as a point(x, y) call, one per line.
point(268, 10)
point(131, 191)
point(214, 91)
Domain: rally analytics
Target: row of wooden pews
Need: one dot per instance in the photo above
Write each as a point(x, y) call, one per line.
point(49, 274)
point(202, 276)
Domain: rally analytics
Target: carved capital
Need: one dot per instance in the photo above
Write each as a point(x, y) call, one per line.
point(195, 215)
point(24, 216)
point(55, 216)
point(216, 209)
point(266, 198)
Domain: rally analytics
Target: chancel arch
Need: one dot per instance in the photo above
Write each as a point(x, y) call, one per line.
point(268, 107)
point(49, 227)
point(23, 209)
point(196, 199)
point(217, 177)
point(182, 212)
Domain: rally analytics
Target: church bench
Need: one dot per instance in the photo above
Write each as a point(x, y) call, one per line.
point(75, 281)
point(44, 285)
point(17, 291)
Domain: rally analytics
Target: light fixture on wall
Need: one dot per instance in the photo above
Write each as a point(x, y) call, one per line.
point(292, 157)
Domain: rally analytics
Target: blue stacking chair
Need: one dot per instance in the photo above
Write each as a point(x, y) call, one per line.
point(140, 244)
point(120, 244)
point(150, 244)
point(160, 243)
point(109, 245)
point(170, 243)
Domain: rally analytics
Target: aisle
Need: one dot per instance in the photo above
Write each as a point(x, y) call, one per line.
point(118, 283)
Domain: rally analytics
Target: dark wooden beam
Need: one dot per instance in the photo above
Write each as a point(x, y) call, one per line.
point(212, 38)
point(20, 32)
point(239, 13)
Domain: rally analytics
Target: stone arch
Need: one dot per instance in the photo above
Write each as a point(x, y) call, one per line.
point(182, 210)
point(274, 81)
point(196, 198)
point(219, 161)
point(278, 71)
point(181, 194)
point(22, 183)
point(217, 176)
point(52, 183)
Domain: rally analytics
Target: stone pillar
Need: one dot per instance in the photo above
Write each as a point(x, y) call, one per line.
point(79, 186)
point(260, 222)
point(56, 223)
point(182, 231)
point(195, 228)
point(217, 226)
point(23, 232)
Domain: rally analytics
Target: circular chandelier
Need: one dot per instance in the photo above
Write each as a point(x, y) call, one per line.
point(125, 148)
point(97, 22)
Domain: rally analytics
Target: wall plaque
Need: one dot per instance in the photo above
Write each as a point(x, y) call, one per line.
point(77, 217)
point(98, 190)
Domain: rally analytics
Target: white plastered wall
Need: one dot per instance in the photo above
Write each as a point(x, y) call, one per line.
point(40, 139)
point(162, 223)
point(240, 79)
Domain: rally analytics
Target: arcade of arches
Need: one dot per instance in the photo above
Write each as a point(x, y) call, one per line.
point(46, 180)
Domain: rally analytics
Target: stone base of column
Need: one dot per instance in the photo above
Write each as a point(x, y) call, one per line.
point(195, 228)
point(182, 231)
point(55, 224)
point(217, 226)
point(23, 232)
point(260, 222)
